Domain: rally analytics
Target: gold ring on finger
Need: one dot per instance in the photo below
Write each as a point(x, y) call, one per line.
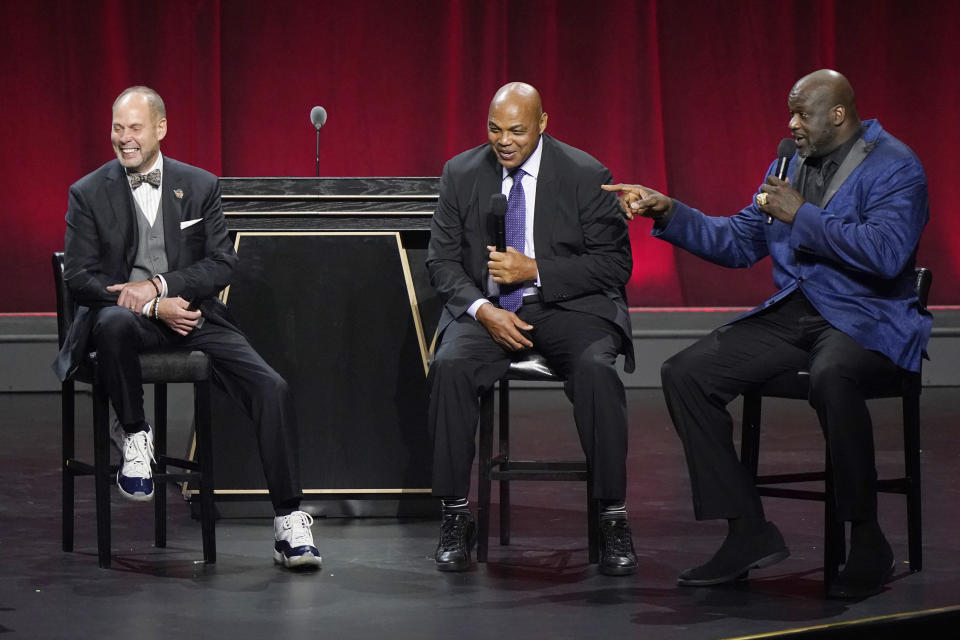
point(762, 199)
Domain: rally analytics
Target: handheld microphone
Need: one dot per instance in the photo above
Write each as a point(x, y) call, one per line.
point(318, 116)
point(498, 206)
point(785, 151)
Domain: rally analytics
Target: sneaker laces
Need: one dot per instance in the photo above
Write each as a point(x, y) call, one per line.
point(452, 532)
point(617, 537)
point(137, 454)
point(298, 525)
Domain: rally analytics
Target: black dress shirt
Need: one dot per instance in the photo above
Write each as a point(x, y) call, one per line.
point(816, 173)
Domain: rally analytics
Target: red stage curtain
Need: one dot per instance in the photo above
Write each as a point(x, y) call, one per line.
point(684, 96)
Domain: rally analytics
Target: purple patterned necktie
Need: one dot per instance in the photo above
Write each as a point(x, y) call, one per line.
point(511, 296)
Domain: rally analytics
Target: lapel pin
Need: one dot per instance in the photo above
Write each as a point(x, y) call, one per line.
point(178, 193)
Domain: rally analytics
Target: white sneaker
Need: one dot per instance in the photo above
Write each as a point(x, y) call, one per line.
point(135, 479)
point(293, 542)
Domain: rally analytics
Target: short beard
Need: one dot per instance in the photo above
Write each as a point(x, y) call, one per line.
point(814, 150)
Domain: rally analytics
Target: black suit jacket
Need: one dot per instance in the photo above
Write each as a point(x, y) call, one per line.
point(581, 238)
point(101, 243)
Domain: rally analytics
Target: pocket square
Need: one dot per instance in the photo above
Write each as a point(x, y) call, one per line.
point(190, 223)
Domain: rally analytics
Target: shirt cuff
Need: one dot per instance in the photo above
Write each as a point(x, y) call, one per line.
point(163, 285)
point(472, 309)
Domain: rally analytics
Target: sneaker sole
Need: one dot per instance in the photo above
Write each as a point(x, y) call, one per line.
point(136, 497)
point(617, 571)
point(305, 561)
point(763, 562)
point(455, 566)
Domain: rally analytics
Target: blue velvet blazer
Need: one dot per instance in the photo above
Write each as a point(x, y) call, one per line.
point(852, 255)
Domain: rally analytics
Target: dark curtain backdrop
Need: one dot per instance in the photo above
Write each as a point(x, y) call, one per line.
point(687, 97)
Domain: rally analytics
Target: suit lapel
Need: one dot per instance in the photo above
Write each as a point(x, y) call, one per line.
point(488, 183)
point(124, 214)
point(856, 155)
point(547, 199)
point(797, 166)
point(172, 212)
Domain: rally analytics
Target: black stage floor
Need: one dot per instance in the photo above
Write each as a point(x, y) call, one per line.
point(378, 578)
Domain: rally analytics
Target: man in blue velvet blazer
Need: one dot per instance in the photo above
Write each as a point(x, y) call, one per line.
point(842, 233)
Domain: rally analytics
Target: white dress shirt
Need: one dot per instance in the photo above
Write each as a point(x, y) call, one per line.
point(148, 196)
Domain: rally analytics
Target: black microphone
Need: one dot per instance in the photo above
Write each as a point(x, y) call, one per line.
point(785, 151)
point(498, 206)
point(318, 116)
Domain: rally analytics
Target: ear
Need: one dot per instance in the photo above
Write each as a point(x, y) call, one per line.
point(543, 122)
point(161, 129)
point(839, 114)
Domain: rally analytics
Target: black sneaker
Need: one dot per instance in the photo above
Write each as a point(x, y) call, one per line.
point(458, 534)
point(617, 557)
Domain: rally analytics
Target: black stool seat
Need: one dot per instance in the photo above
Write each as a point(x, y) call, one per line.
point(163, 365)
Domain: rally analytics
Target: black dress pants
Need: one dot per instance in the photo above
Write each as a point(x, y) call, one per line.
point(119, 335)
point(583, 348)
point(791, 335)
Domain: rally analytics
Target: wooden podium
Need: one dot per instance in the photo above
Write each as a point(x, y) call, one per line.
point(333, 292)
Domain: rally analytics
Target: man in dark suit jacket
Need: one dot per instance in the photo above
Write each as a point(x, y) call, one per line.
point(558, 288)
point(146, 253)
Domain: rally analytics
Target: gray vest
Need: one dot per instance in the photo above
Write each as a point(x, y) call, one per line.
point(151, 252)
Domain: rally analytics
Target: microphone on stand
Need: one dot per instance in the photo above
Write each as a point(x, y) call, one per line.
point(785, 151)
point(498, 206)
point(318, 116)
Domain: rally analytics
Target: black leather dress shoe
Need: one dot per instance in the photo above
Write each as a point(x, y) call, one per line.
point(736, 556)
point(458, 534)
point(617, 557)
point(865, 573)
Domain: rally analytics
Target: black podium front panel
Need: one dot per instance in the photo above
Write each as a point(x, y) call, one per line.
point(332, 290)
point(335, 313)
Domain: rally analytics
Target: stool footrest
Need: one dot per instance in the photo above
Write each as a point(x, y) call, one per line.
point(78, 468)
point(778, 478)
point(798, 494)
point(538, 475)
point(178, 477)
point(178, 462)
point(569, 465)
point(539, 470)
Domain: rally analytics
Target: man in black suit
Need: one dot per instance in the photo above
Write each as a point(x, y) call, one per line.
point(146, 253)
point(557, 288)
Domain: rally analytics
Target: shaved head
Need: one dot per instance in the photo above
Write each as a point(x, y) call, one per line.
point(519, 93)
point(823, 112)
point(514, 123)
point(828, 86)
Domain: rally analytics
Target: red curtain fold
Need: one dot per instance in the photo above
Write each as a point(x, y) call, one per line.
point(688, 97)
